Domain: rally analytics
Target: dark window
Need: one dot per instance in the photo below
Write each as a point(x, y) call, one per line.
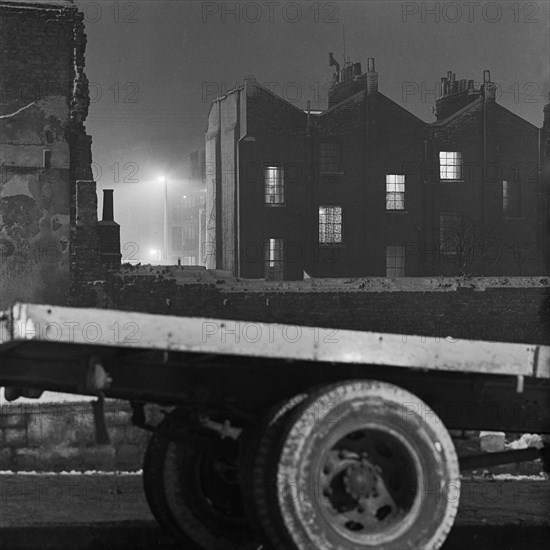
point(511, 199)
point(395, 261)
point(395, 192)
point(274, 264)
point(330, 224)
point(47, 158)
point(450, 165)
point(274, 186)
point(330, 157)
point(450, 233)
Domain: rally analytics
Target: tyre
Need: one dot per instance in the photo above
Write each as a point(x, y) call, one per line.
point(357, 465)
point(192, 485)
point(256, 479)
point(153, 485)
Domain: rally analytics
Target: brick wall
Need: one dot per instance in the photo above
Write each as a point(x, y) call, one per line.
point(61, 437)
point(505, 309)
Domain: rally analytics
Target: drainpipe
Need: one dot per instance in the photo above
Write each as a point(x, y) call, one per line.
point(488, 97)
point(310, 195)
point(371, 87)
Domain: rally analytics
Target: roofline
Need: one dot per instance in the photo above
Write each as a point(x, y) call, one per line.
point(256, 83)
point(362, 92)
point(515, 115)
point(458, 113)
point(478, 101)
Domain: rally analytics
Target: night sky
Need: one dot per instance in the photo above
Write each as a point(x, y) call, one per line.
point(155, 66)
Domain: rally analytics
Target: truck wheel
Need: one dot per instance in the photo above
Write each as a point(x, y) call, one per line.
point(153, 472)
point(192, 485)
point(357, 465)
point(256, 461)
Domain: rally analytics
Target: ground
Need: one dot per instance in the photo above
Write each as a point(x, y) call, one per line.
point(62, 511)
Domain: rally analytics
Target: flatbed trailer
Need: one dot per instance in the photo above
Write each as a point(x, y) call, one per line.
point(303, 437)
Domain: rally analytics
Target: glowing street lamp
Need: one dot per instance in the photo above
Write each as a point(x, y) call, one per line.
point(155, 252)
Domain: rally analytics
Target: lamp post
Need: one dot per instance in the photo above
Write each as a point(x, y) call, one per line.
point(165, 240)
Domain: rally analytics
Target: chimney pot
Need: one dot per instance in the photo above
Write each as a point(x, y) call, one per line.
point(486, 76)
point(443, 86)
point(372, 77)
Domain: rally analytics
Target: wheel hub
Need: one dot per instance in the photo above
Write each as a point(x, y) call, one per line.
point(360, 480)
point(363, 481)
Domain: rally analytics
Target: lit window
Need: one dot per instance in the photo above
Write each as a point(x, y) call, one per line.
point(511, 199)
point(330, 224)
point(274, 185)
point(395, 261)
point(395, 192)
point(274, 265)
point(330, 157)
point(450, 233)
point(450, 165)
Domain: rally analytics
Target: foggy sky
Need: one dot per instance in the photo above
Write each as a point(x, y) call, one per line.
point(155, 66)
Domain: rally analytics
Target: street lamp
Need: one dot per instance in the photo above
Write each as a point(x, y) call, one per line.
point(155, 252)
point(165, 240)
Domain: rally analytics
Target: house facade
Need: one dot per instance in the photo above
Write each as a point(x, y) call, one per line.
point(365, 188)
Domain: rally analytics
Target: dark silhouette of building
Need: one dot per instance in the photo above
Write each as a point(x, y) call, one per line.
point(365, 188)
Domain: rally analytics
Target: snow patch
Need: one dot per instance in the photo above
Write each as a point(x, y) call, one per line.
point(70, 473)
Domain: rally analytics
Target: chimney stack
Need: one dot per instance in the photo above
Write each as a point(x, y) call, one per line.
point(109, 233)
point(372, 77)
point(455, 94)
point(489, 88)
point(108, 210)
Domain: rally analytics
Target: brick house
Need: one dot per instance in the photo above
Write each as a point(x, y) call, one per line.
point(365, 188)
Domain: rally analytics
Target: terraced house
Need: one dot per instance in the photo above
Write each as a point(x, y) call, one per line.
point(365, 188)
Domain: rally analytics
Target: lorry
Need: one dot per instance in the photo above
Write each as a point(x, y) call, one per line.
point(294, 437)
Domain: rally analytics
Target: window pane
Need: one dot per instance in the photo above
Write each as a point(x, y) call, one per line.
point(330, 224)
point(395, 192)
point(274, 185)
point(274, 259)
point(450, 165)
point(330, 157)
point(395, 261)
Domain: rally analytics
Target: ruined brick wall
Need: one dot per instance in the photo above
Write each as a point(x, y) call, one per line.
point(506, 309)
point(44, 148)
